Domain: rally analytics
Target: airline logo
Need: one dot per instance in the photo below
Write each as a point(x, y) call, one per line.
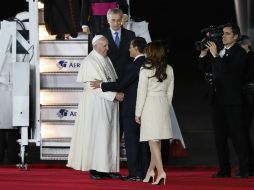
point(61, 64)
point(65, 113)
point(64, 64)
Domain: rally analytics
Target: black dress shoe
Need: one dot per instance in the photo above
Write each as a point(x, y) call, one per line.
point(59, 37)
point(96, 175)
point(221, 174)
point(133, 178)
point(74, 35)
point(113, 175)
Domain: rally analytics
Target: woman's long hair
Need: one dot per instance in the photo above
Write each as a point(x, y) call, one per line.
point(156, 59)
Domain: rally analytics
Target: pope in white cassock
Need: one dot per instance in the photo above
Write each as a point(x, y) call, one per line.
point(95, 140)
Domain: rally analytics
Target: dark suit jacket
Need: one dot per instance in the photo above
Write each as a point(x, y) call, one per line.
point(228, 74)
point(128, 85)
point(249, 68)
point(120, 57)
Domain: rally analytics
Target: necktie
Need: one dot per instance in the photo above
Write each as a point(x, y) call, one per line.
point(117, 39)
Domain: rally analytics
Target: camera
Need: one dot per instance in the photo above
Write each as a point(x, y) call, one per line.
point(211, 33)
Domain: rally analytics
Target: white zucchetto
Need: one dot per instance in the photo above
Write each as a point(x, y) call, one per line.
point(96, 38)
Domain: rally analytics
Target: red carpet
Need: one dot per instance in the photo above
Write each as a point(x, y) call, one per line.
point(46, 177)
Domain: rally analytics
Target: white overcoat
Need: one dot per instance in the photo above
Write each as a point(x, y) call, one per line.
point(95, 140)
point(153, 105)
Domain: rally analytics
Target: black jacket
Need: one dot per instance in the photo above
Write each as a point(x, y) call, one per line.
point(228, 76)
point(128, 85)
point(120, 57)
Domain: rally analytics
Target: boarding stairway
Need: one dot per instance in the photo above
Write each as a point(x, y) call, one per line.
point(59, 94)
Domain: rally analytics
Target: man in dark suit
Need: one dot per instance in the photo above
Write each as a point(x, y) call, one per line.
point(227, 69)
point(119, 42)
point(118, 53)
point(138, 155)
point(94, 16)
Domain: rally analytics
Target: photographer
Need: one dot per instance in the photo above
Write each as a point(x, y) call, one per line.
point(227, 67)
point(248, 101)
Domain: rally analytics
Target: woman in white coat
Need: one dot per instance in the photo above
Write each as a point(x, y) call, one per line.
point(154, 97)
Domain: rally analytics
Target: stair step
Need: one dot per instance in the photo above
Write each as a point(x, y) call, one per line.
point(46, 140)
point(56, 129)
point(60, 80)
point(59, 113)
point(60, 96)
point(56, 142)
point(60, 64)
point(63, 48)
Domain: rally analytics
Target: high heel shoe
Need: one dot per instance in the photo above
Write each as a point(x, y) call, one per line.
point(149, 177)
point(160, 178)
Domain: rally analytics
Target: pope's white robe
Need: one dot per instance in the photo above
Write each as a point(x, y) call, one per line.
point(95, 140)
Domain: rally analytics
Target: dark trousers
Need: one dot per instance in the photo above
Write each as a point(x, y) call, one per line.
point(248, 113)
point(138, 153)
point(228, 124)
point(121, 121)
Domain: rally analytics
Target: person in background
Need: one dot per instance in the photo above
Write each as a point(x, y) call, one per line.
point(227, 66)
point(94, 14)
point(119, 40)
point(137, 153)
point(154, 98)
point(62, 18)
point(248, 102)
point(95, 141)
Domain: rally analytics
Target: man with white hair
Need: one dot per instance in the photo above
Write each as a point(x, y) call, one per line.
point(95, 140)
